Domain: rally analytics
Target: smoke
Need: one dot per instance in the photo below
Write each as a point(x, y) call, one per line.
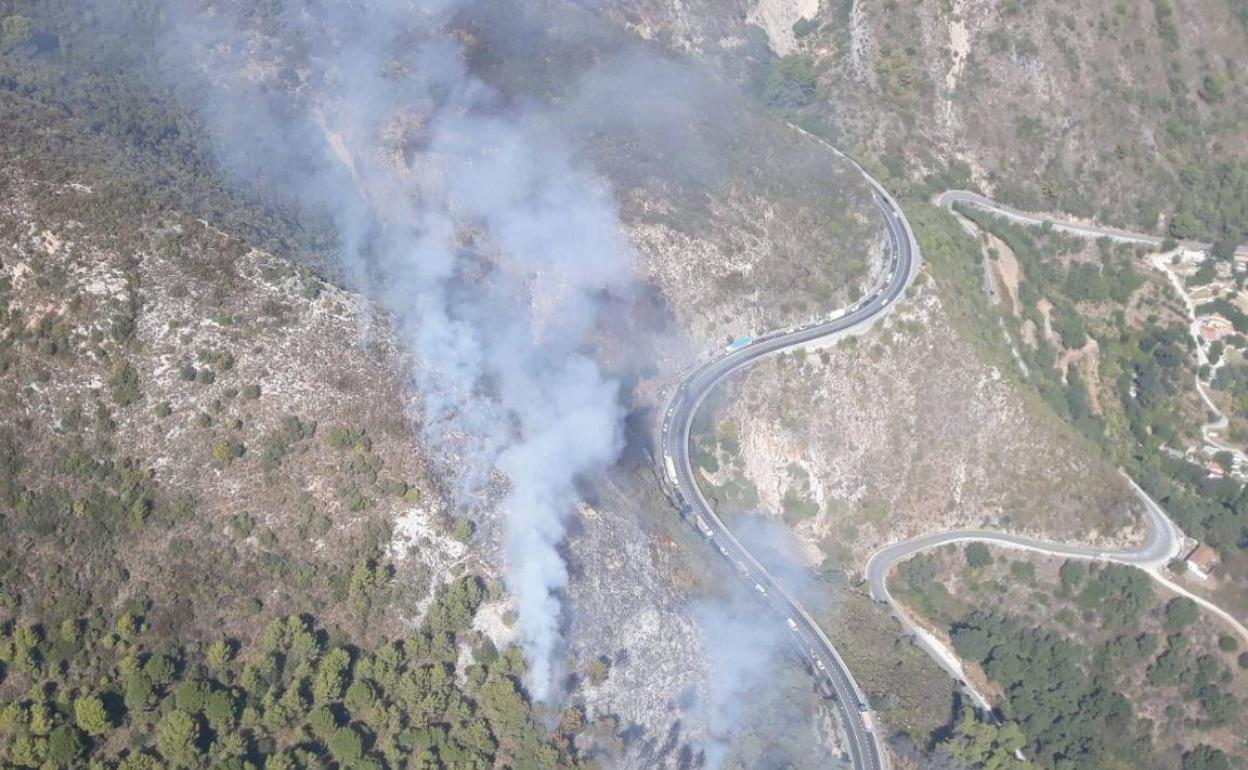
point(746, 646)
point(466, 214)
point(742, 653)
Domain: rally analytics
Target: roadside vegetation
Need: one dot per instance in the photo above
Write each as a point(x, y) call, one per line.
point(1154, 681)
point(1106, 344)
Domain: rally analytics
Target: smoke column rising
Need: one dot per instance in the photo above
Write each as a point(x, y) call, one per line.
point(467, 218)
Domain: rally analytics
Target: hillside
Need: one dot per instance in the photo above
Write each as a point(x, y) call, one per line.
point(219, 446)
point(1131, 112)
point(202, 514)
point(335, 340)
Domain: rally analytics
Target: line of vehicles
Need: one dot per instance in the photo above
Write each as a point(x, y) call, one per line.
point(741, 343)
point(709, 532)
point(863, 709)
point(834, 678)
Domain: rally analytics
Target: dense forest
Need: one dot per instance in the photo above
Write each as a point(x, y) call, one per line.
point(109, 692)
point(1097, 670)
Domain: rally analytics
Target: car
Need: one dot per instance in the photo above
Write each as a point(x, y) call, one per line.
point(759, 587)
point(792, 624)
point(819, 664)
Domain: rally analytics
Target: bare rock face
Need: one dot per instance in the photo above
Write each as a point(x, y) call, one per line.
point(902, 433)
point(777, 18)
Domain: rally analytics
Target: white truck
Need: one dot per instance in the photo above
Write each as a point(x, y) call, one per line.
point(702, 525)
point(864, 714)
point(670, 466)
point(792, 624)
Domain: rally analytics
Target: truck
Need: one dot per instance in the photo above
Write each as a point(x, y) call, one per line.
point(702, 525)
point(738, 343)
point(864, 714)
point(670, 466)
point(759, 587)
point(792, 624)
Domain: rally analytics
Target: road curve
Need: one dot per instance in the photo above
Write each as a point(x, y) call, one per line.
point(1164, 542)
point(865, 745)
point(950, 198)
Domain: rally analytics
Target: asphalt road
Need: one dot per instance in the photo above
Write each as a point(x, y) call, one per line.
point(952, 197)
point(865, 745)
point(1163, 543)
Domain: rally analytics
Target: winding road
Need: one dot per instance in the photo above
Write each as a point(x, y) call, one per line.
point(1164, 541)
point(864, 744)
point(951, 198)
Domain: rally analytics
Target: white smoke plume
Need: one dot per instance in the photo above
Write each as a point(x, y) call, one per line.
point(466, 215)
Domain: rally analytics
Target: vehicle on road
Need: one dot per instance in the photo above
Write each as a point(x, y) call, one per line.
point(863, 745)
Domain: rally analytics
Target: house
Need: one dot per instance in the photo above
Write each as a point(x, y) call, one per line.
point(1201, 560)
point(1215, 327)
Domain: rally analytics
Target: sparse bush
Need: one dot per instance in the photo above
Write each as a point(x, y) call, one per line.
point(1181, 612)
point(803, 27)
point(977, 555)
point(225, 452)
point(791, 82)
point(598, 669)
point(125, 385)
point(242, 524)
point(349, 438)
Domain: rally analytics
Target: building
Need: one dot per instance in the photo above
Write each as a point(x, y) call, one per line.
point(1215, 327)
point(1201, 560)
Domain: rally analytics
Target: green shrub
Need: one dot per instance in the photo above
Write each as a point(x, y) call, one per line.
point(125, 385)
point(977, 555)
point(792, 82)
point(225, 452)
